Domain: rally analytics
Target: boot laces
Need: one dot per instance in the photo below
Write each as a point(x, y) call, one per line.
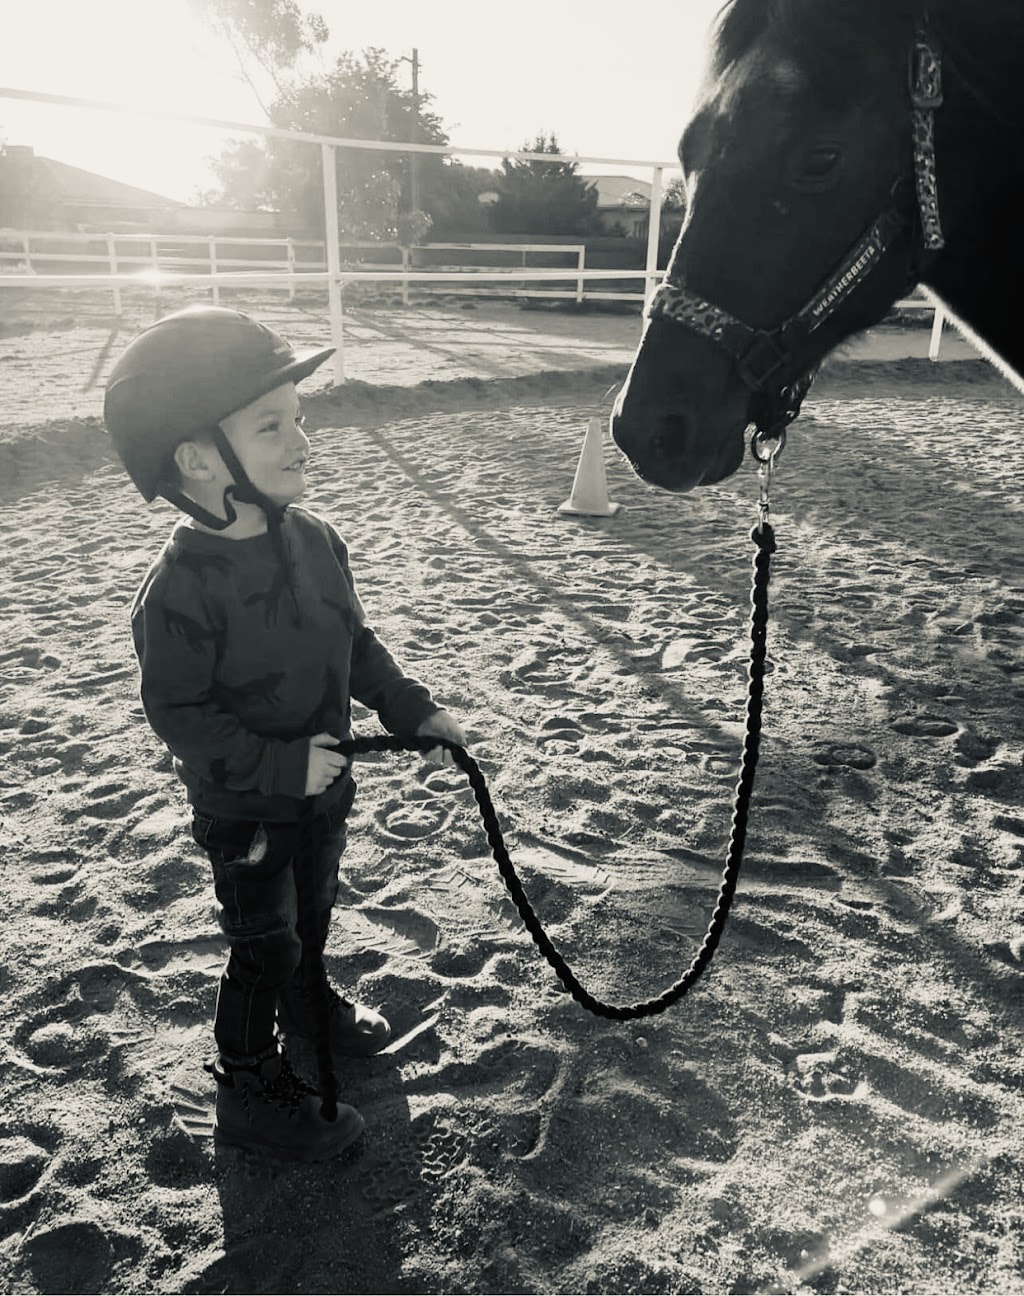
point(286, 1091)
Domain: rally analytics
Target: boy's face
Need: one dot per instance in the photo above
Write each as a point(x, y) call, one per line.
point(267, 436)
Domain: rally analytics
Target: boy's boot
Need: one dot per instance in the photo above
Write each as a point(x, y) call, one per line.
point(356, 1031)
point(264, 1105)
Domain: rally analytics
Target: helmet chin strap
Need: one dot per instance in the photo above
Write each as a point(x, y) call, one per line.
point(243, 490)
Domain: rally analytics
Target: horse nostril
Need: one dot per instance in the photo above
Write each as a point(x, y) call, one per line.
point(671, 435)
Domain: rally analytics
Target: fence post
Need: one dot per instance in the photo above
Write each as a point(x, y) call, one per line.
point(27, 245)
point(405, 282)
point(581, 258)
point(938, 320)
point(653, 237)
point(112, 258)
point(213, 269)
point(333, 259)
point(291, 267)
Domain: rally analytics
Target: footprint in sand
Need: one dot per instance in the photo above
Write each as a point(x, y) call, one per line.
point(404, 932)
point(391, 1174)
point(168, 957)
point(441, 1150)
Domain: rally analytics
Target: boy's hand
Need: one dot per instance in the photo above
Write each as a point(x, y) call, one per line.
point(324, 766)
point(442, 724)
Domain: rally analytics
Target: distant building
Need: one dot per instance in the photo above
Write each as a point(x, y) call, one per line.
point(623, 204)
point(43, 194)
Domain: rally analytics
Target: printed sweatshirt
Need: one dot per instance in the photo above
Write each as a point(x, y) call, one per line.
point(243, 661)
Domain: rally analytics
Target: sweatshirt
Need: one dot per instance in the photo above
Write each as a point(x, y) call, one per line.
point(243, 661)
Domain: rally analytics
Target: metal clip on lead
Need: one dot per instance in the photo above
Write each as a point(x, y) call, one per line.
point(765, 449)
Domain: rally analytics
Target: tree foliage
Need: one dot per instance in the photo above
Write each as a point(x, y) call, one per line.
point(538, 197)
point(359, 98)
point(674, 197)
point(273, 32)
point(451, 194)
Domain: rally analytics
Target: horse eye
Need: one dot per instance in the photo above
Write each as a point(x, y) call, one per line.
point(820, 161)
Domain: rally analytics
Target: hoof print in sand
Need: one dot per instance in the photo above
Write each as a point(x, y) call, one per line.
point(62, 1045)
point(459, 961)
point(818, 1076)
point(925, 725)
point(413, 820)
point(77, 1256)
point(846, 756)
point(22, 1163)
point(559, 736)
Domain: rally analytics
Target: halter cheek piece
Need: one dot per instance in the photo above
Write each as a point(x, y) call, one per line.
point(761, 355)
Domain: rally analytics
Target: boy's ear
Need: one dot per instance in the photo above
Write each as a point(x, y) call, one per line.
point(193, 459)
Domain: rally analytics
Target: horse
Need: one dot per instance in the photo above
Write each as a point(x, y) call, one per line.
point(840, 153)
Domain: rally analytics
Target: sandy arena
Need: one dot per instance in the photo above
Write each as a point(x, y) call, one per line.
point(837, 1107)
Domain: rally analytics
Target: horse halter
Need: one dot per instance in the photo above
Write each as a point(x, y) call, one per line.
point(760, 354)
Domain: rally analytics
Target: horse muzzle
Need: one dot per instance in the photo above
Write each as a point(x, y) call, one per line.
point(666, 449)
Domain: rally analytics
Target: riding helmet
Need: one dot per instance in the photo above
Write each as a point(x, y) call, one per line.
point(181, 376)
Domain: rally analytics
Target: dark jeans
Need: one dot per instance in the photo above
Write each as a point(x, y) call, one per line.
point(260, 911)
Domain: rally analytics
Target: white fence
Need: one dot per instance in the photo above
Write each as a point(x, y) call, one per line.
point(161, 254)
point(290, 276)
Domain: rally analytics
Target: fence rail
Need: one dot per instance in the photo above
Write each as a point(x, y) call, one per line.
point(164, 254)
point(336, 275)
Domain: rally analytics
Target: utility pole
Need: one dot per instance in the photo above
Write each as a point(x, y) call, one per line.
point(414, 180)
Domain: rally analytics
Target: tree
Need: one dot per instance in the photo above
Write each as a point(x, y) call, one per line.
point(673, 214)
point(538, 197)
point(273, 33)
point(359, 99)
point(451, 195)
point(674, 197)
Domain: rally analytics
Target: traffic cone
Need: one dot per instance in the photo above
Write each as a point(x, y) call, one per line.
point(589, 496)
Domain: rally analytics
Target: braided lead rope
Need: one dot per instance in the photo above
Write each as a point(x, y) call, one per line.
point(764, 539)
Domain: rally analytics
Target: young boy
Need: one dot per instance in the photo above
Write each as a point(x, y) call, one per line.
point(251, 640)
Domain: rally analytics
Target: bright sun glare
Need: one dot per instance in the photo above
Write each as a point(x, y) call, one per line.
point(492, 85)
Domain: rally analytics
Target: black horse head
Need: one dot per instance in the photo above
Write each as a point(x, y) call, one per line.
point(812, 206)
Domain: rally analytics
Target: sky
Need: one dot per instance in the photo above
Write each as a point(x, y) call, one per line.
point(610, 80)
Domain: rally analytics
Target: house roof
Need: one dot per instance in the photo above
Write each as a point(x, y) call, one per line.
point(73, 185)
point(620, 191)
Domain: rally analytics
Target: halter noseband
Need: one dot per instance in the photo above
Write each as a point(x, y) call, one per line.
point(760, 354)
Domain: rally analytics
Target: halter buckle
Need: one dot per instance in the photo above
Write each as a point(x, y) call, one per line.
point(761, 360)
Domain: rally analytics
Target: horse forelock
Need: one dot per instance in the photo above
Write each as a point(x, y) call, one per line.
point(822, 37)
point(814, 35)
